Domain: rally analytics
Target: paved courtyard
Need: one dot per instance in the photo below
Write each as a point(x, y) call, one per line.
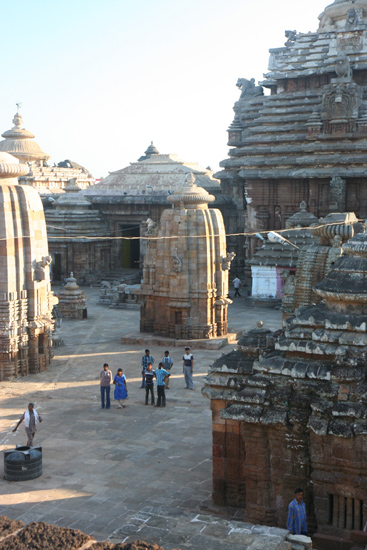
point(140, 472)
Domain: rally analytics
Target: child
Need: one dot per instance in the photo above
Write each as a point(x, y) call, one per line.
point(149, 384)
point(167, 364)
point(160, 375)
point(120, 388)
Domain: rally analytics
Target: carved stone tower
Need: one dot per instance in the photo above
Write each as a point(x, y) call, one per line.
point(26, 299)
point(185, 278)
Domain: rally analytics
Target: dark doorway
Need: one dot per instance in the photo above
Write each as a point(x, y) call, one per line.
point(56, 267)
point(130, 247)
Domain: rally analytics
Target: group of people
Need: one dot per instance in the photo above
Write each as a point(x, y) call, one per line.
point(161, 375)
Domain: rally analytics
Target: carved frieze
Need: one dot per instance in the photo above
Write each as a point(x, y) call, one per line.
point(340, 107)
point(350, 40)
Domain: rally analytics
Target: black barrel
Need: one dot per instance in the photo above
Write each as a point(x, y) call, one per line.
point(23, 463)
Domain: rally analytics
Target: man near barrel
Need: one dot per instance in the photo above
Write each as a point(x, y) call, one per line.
point(31, 418)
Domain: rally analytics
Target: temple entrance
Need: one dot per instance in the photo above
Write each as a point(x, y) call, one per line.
point(130, 248)
point(56, 267)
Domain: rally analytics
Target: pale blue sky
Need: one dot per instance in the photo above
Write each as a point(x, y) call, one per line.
point(100, 79)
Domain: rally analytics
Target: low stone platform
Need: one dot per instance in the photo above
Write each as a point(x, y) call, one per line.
point(146, 339)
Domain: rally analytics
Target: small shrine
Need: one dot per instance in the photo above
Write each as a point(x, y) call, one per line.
point(185, 278)
point(72, 300)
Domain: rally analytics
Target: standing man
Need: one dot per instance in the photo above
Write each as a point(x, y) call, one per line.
point(160, 375)
point(297, 518)
point(167, 364)
point(31, 418)
point(149, 384)
point(237, 284)
point(105, 383)
point(188, 368)
point(145, 360)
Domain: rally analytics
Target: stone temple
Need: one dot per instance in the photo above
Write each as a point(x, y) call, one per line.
point(307, 139)
point(26, 299)
point(185, 278)
point(289, 409)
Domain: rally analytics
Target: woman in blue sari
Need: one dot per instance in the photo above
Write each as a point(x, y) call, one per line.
point(120, 388)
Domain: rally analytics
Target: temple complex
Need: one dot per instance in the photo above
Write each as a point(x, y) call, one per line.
point(26, 299)
point(305, 140)
point(289, 410)
point(185, 278)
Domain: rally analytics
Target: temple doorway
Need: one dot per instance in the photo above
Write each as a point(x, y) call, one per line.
point(56, 267)
point(130, 248)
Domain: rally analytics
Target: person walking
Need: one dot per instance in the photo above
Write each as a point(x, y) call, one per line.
point(120, 393)
point(237, 284)
point(149, 384)
point(147, 358)
point(160, 375)
point(167, 364)
point(31, 419)
point(188, 368)
point(105, 384)
point(297, 517)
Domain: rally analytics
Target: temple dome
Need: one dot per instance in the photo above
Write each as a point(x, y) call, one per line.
point(19, 143)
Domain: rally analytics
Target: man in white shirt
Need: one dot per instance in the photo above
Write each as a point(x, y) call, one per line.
point(31, 418)
point(237, 284)
point(188, 368)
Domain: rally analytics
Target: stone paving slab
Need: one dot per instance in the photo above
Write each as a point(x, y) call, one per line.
point(102, 468)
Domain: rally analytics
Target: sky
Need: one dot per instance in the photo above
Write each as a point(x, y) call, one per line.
point(99, 80)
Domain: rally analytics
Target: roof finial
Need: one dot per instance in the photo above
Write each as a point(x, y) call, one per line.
point(19, 106)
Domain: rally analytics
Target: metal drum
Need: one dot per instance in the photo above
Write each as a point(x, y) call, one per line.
point(23, 463)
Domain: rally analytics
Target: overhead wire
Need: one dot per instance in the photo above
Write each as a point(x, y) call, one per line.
point(168, 237)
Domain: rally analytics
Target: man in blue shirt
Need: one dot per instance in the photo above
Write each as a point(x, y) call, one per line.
point(297, 517)
point(160, 375)
point(145, 360)
point(149, 384)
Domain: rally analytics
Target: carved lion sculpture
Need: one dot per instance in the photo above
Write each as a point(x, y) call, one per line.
point(248, 88)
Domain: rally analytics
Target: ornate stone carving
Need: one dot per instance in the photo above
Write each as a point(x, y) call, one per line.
point(152, 228)
point(176, 262)
point(291, 36)
point(340, 105)
point(248, 88)
point(353, 18)
point(226, 260)
point(342, 67)
point(338, 194)
point(40, 268)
